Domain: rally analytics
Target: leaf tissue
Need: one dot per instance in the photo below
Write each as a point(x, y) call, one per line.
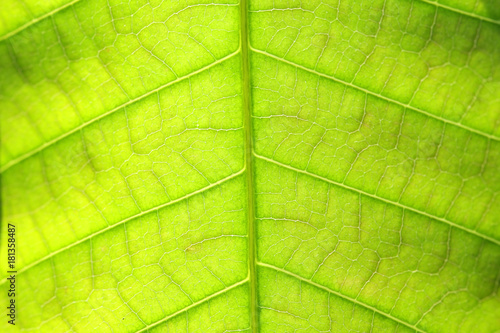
point(251, 166)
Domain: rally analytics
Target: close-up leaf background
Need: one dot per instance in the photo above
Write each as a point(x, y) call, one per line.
point(254, 166)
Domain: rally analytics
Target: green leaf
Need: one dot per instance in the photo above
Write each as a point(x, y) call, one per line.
point(263, 166)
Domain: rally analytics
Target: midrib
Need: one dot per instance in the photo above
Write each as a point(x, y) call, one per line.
point(245, 70)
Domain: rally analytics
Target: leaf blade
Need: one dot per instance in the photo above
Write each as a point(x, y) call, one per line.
point(334, 175)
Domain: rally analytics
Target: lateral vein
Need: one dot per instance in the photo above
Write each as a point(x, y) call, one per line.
point(36, 20)
point(52, 254)
point(341, 295)
point(390, 100)
point(462, 12)
point(223, 291)
point(397, 204)
point(104, 115)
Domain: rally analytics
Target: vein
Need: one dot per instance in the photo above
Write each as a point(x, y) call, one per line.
point(195, 304)
point(462, 12)
point(247, 117)
point(104, 115)
point(36, 20)
point(353, 300)
point(88, 237)
point(387, 99)
point(390, 202)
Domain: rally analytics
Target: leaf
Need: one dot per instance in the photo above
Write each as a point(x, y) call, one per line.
point(272, 166)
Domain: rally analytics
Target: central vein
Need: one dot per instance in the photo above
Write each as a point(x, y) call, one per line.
point(248, 162)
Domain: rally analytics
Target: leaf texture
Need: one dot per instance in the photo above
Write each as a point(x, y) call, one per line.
point(258, 166)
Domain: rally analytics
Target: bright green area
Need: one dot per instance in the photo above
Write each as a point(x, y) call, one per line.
point(332, 168)
point(486, 9)
point(353, 138)
point(166, 146)
point(410, 52)
point(290, 304)
point(143, 270)
point(17, 14)
point(374, 253)
point(93, 57)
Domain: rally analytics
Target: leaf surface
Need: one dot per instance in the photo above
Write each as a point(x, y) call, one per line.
point(263, 166)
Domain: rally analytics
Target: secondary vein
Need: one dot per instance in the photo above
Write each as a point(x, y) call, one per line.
point(104, 115)
point(397, 204)
point(195, 304)
point(387, 315)
point(52, 254)
point(390, 100)
point(36, 20)
point(461, 12)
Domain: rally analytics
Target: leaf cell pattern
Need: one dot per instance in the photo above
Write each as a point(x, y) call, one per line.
point(260, 166)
